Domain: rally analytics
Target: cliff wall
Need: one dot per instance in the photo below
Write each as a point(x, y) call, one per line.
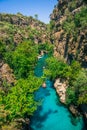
point(69, 25)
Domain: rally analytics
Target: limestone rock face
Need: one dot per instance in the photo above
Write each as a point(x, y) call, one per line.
point(6, 75)
point(61, 89)
point(16, 28)
point(65, 44)
point(73, 110)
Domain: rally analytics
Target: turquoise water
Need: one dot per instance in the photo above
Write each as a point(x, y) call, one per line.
point(52, 115)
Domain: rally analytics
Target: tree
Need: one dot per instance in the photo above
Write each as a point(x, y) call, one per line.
point(55, 68)
point(77, 93)
point(36, 16)
point(20, 100)
point(80, 85)
point(23, 59)
point(46, 47)
point(2, 50)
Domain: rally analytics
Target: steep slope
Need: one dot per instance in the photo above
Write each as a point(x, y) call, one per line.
point(69, 29)
point(19, 36)
point(19, 39)
point(69, 25)
point(16, 28)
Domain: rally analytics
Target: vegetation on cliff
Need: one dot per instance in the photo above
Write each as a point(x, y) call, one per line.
point(69, 28)
point(22, 39)
point(19, 102)
point(69, 25)
point(77, 79)
point(77, 23)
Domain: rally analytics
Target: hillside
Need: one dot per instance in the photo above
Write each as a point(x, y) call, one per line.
point(69, 29)
point(19, 40)
point(16, 28)
point(23, 40)
point(69, 25)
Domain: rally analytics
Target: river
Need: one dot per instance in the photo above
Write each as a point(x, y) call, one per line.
point(52, 115)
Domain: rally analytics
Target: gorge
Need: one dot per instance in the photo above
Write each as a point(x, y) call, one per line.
point(33, 53)
point(52, 114)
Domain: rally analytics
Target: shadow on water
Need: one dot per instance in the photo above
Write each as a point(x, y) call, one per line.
point(39, 119)
point(84, 128)
point(41, 93)
point(56, 111)
point(75, 120)
point(50, 109)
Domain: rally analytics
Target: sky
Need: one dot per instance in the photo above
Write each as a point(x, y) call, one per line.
point(29, 8)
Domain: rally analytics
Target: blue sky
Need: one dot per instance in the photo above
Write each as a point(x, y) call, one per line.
point(29, 7)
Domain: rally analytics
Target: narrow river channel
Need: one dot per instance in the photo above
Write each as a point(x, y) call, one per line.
point(52, 115)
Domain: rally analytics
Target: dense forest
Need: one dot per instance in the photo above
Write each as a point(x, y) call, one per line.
point(21, 41)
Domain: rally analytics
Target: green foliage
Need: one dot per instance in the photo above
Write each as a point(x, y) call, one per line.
point(81, 80)
point(77, 94)
point(69, 27)
point(23, 59)
point(81, 18)
point(18, 49)
point(52, 25)
point(82, 99)
point(55, 68)
point(76, 78)
point(36, 16)
point(7, 28)
point(20, 99)
point(75, 23)
point(2, 49)
point(47, 47)
point(80, 85)
point(71, 98)
point(72, 5)
point(75, 69)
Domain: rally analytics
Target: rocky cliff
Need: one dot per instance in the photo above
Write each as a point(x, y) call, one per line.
point(69, 35)
point(16, 28)
point(69, 29)
point(69, 25)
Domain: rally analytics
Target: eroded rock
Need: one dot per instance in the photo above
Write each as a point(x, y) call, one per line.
point(6, 74)
point(73, 110)
point(61, 89)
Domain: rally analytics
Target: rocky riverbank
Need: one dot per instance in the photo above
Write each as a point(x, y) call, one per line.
point(61, 86)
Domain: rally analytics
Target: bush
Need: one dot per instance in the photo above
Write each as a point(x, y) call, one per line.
point(47, 47)
point(55, 68)
point(23, 59)
point(20, 99)
point(77, 93)
point(2, 50)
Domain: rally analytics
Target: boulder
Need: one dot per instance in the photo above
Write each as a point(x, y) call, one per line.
point(44, 85)
point(6, 74)
point(61, 89)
